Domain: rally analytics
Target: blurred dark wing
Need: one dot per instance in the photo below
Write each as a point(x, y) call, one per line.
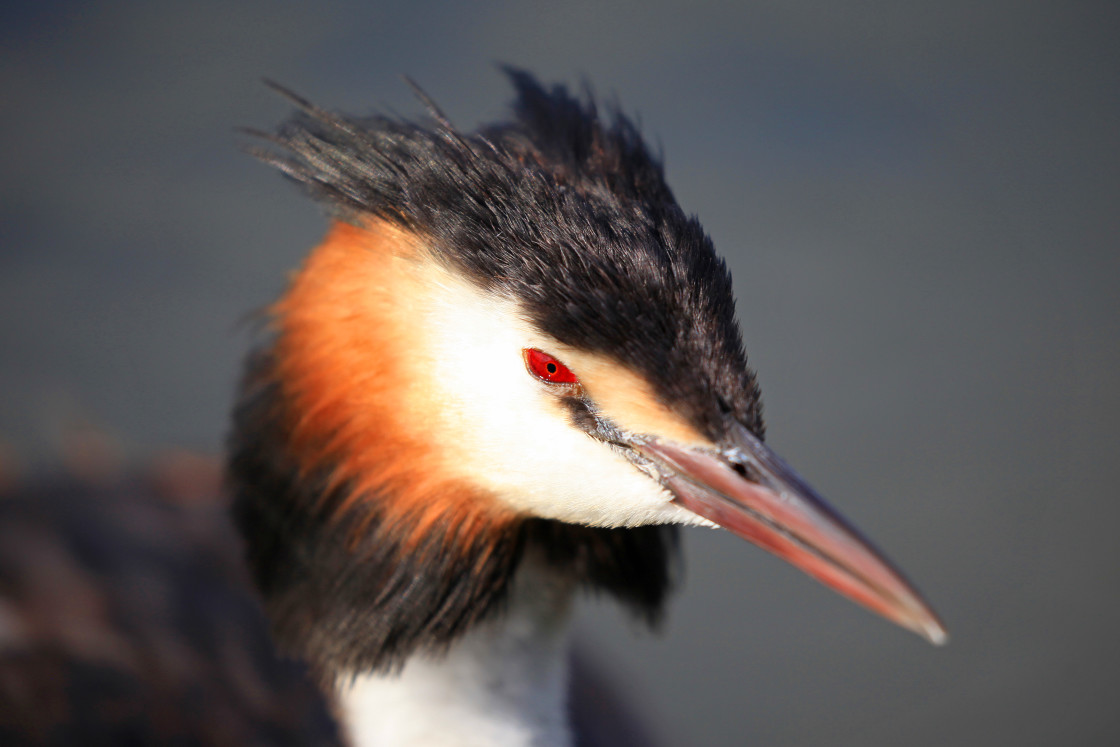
point(125, 619)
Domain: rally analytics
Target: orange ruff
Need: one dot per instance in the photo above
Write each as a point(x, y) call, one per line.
point(345, 362)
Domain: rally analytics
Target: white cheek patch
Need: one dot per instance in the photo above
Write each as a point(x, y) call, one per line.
point(504, 430)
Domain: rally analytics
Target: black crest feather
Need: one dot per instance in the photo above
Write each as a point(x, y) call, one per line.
point(561, 208)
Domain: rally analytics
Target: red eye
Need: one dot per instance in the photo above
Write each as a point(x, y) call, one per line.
point(545, 367)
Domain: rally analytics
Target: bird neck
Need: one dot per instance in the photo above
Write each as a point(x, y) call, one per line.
point(503, 683)
point(350, 585)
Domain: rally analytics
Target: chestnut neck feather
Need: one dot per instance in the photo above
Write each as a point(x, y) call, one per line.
point(350, 601)
point(363, 550)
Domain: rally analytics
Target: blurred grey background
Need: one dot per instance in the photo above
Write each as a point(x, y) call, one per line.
point(919, 202)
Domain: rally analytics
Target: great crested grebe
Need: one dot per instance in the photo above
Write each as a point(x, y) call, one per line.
point(508, 370)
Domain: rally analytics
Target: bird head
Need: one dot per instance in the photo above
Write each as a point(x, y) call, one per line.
point(505, 336)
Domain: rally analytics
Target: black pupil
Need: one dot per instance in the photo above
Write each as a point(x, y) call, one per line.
point(551, 368)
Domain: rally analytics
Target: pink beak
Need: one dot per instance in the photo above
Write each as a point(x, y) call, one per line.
point(750, 491)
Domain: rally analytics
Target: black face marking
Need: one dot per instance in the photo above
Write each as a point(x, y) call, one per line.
point(586, 417)
point(582, 414)
point(563, 209)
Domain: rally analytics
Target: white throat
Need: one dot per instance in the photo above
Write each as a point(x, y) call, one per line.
point(503, 684)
